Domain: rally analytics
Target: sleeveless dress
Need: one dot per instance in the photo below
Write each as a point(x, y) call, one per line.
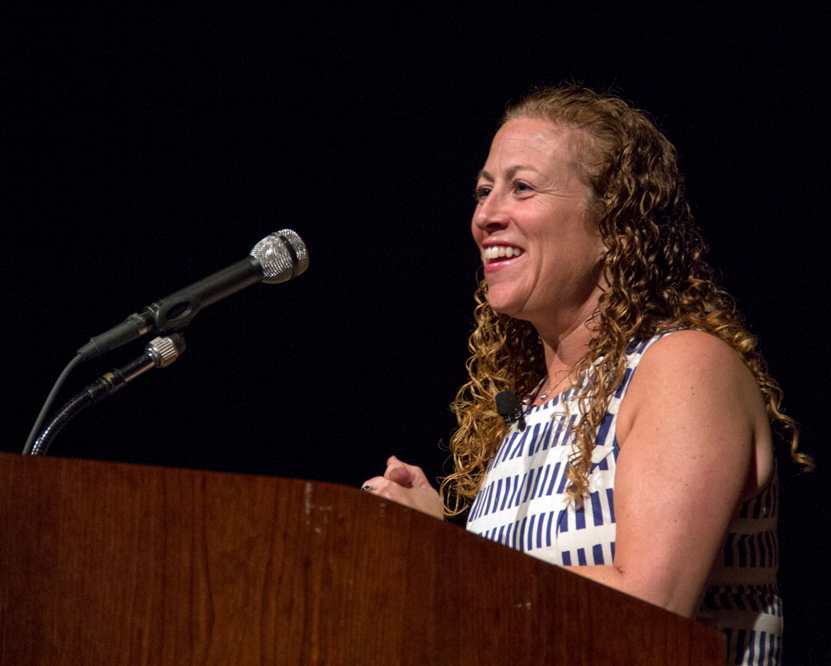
point(522, 504)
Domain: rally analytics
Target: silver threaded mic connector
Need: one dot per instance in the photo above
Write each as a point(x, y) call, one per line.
point(164, 351)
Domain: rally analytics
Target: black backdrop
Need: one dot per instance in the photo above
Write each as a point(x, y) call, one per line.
point(143, 152)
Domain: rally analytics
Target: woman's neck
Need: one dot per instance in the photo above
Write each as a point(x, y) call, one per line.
point(565, 346)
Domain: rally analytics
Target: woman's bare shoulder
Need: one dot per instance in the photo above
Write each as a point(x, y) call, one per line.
point(687, 370)
point(686, 347)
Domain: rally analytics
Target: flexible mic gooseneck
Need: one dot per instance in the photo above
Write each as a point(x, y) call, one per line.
point(159, 353)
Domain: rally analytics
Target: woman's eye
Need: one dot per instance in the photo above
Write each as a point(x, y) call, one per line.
point(522, 188)
point(481, 193)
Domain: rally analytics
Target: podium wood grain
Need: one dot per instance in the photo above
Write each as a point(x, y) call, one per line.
point(106, 563)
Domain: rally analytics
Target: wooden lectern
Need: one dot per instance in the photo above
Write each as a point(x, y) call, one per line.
point(121, 564)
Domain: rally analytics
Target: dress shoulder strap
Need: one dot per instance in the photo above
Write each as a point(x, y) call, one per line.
point(634, 354)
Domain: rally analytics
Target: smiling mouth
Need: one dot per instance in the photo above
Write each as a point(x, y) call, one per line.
point(498, 253)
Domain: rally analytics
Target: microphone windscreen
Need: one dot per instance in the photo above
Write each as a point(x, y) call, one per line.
point(282, 256)
point(507, 404)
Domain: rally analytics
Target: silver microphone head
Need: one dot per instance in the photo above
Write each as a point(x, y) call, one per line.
point(282, 256)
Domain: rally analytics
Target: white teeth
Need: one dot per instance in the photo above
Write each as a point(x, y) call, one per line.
point(499, 252)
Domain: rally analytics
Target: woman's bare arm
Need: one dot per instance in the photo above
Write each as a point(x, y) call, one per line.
point(687, 430)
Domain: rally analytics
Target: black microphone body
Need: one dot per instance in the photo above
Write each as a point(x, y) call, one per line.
point(176, 311)
point(277, 258)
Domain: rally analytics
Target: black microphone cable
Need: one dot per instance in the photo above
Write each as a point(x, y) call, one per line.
point(30, 440)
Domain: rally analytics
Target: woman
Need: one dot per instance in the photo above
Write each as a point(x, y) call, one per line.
point(647, 458)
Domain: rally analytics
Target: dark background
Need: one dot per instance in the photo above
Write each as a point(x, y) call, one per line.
point(143, 152)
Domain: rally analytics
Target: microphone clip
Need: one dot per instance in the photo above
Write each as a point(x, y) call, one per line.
point(510, 409)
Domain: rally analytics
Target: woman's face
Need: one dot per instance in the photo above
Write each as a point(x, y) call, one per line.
point(540, 247)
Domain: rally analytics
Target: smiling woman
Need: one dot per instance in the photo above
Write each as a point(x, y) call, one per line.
point(645, 456)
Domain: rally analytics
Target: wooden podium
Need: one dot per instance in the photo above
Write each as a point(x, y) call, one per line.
point(121, 564)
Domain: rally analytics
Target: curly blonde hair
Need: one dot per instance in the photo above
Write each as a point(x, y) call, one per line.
point(656, 279)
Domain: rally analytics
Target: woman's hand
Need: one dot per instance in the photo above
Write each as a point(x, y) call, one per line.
point(407, 485)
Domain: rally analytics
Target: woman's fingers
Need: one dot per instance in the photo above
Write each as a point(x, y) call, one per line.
point(373, 484)
point(383, 487)
point(424, 499)
point(405, 475)
point(399, 474)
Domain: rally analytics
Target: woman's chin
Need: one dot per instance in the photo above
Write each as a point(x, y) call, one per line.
point(505, 306)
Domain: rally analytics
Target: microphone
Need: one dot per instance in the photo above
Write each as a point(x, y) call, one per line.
point(510, 408)
point(279, 257)
point(159, 353)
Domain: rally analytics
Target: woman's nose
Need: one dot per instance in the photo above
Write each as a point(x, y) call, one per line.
point(491, 215)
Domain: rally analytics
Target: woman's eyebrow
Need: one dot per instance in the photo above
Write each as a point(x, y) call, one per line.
point(510, 172)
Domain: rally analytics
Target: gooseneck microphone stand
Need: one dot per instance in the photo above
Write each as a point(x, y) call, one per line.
point(159, 353)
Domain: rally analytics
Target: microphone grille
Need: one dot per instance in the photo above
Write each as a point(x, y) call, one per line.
point(282, 256)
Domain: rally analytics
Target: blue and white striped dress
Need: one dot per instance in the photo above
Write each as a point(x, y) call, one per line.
point(523, 504)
